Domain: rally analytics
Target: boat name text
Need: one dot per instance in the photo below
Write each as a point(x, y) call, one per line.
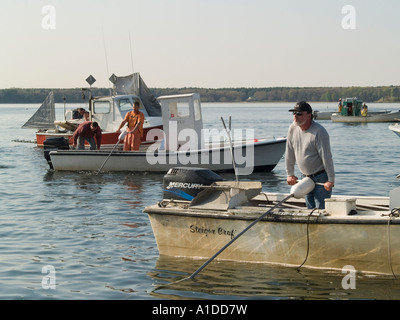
point(218, 231)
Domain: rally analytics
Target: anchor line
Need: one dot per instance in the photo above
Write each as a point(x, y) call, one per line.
point(308, 240)
point(395, 213)
point(24, 141)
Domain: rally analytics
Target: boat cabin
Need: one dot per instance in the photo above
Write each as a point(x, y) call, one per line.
point(351, 107)
point(109, 111)
point(182, 121)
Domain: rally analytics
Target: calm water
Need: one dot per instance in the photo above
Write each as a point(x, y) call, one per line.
point(91, 229)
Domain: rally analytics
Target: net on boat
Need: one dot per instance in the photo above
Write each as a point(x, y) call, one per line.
point(134, 84)
point(45, 116)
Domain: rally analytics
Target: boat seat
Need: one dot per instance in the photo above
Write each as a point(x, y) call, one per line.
point(224, 195)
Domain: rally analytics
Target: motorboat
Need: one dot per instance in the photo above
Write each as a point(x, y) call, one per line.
point(395, 127)
point(107, 111)
point(323, 115)
point(199, 213)
point(354, 110)
point(182, 142)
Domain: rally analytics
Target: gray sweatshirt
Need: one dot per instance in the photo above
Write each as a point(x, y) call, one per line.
point(310, 149)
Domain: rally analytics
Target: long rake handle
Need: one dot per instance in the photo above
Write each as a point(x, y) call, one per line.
point(107, 158)
point(235, 238)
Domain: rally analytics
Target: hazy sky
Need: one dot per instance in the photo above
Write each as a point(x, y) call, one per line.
point(200, 43)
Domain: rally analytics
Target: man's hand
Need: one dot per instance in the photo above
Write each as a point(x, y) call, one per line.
point(328, 185)
point(291, 180)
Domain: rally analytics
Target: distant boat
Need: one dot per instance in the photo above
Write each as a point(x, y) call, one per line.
point(353, 111)
point(395, 128)
point(323, 115)
point(107, 111)
point(182, 143)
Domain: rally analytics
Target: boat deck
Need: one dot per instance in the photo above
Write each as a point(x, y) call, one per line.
point(366, 209)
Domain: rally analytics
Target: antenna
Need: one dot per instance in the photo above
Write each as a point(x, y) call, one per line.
point(130, 45)
point(105, 51)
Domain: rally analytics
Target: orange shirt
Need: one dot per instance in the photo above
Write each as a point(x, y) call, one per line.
point(133, 119)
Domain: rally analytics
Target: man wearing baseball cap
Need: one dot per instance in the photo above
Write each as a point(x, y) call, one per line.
point(308, 145)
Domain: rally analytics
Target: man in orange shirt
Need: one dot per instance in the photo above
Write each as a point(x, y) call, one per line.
point(135, 120)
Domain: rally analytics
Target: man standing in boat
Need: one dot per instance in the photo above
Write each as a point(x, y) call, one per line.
point(135, 120)
point(364, 110)
point(308, 145)
point(87, 131)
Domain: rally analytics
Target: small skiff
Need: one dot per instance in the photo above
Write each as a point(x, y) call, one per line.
point(198, 217)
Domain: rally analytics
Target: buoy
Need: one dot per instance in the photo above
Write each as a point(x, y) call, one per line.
point(301, 188)
point(122, 135)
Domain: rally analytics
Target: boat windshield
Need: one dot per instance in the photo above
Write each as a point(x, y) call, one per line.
point(101, 107)
point(125, 105)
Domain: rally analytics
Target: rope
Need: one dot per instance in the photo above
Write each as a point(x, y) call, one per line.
point(308, 240)
point(231, 148)
point(23, 141)
point(393, 214)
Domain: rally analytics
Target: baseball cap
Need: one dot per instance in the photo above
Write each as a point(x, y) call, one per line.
point(301, 107)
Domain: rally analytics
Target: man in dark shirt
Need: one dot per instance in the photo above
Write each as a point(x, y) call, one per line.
point(87, 131)
point(80, 113)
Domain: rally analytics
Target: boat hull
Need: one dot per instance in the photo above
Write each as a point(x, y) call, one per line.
point(257, 156)
point(107, 139)
point(384, 117)
point(395, 128)
point(323, 115)
point(295, 238)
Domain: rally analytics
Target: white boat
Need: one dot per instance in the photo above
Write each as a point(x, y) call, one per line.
point(183, 142)
point(352, 112)
point(384, 116)
point(262, 155)
point(373, 116)
point(107, 111)
point(322, 115)
point(395, 127)
point(262, 227)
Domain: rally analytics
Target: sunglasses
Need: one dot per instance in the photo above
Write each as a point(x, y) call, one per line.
point(298, 114)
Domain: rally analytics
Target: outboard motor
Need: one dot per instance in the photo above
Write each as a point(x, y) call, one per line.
point(185, 183)
point(54, 144)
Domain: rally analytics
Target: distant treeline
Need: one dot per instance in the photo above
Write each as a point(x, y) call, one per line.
point(16, 95)
point(287, 94)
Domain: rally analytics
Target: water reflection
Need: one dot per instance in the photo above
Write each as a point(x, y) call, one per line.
point(134, 188)
point(83, 181)
point(234, 280)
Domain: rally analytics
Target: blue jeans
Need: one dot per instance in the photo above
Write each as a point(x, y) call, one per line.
point(81, 143)
point(316, 198)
